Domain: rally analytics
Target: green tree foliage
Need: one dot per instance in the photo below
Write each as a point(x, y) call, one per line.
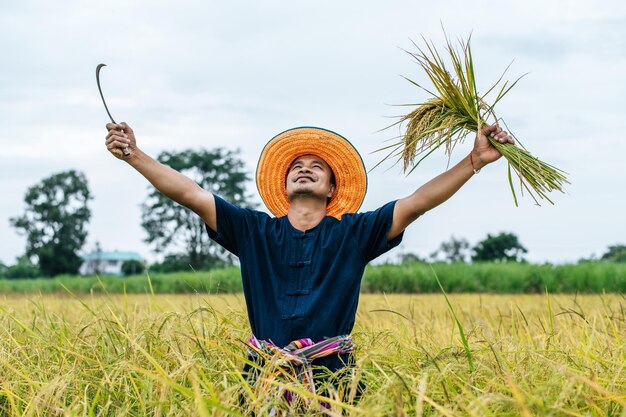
point(171, 263)
point(169, 225)
point(23, 268)
point(55, 221)
point(615, 253)
point(454, 250)
point(132, 267)
point(499, 248)
point(407, 258)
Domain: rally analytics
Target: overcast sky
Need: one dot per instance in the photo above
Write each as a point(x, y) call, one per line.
point(193, 74)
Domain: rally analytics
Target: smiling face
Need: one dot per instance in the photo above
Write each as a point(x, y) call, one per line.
point(311, 176)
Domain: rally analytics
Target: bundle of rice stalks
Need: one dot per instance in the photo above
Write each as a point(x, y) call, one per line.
point(457, 110)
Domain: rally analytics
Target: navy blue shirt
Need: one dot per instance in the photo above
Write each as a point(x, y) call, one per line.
point(302, 284)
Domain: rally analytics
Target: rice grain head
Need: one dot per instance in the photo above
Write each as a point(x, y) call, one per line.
point(456, 110)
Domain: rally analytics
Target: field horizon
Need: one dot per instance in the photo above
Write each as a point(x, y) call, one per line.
point(411, 277)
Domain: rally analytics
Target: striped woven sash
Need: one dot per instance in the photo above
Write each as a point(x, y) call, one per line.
point(299, 354)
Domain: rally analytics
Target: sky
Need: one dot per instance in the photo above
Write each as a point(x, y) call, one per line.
point(192, 74)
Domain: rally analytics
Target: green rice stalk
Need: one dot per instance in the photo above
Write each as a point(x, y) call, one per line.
point(468, 351)
point(455, 110)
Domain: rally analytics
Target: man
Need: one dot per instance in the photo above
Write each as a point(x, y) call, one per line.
point(302, 270)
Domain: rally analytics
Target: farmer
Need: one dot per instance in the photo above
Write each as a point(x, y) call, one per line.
point(302, 269)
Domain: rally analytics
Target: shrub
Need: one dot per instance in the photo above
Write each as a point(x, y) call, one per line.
point(24, 268)
point(132, 267)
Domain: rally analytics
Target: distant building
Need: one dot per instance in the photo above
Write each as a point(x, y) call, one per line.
point(106, 263)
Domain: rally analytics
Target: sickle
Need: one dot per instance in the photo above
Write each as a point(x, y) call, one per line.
point(98, 68)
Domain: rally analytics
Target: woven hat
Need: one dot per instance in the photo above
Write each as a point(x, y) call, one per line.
point(337, 151)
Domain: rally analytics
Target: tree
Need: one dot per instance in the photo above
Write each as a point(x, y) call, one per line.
point(409, 258)
point(498, 248)
point(180, 262)
point(132, 267)
point(615, 253)
point(23, 268)
point(454, 250)
point(170, 225)
point(55, 221)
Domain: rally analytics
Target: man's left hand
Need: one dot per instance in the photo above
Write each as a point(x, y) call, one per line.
point(484, 152)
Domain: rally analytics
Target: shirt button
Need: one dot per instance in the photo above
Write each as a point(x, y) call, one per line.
point(292, 316)
point(298, 292)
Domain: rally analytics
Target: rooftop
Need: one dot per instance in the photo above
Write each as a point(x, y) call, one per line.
point(112, 256)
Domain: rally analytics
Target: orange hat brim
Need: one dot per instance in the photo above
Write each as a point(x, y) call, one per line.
point(337, 151)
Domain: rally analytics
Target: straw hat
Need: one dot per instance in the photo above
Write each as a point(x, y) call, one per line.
point(337, 151)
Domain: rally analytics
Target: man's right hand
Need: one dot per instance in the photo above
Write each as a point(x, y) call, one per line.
point(120, 137)
point(168, 181)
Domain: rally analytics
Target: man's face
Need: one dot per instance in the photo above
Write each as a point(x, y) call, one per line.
point(309, 175)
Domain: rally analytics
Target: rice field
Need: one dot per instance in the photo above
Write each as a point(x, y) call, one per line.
point(181, 355)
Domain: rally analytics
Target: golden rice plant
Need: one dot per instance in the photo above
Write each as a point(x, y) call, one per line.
point(182, 355)
point(457, 109)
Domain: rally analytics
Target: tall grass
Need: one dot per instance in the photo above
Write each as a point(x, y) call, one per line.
point(512, 277)
point(224, 280)
point(181, 355)
point(592, 277)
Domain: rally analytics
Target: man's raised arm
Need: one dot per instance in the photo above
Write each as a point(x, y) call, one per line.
point(168, 181)
point(442, 187)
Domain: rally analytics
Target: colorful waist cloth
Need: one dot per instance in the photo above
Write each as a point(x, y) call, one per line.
point(297, 356)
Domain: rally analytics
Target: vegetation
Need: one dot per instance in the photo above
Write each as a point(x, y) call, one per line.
point(502, 247)
point(411, 277)
point(171, 226)
point(615, 253)
point(23, 268)
point(453, 250)
point(182, 355)
point(507, 277)
point(455, 110)
point(132, 267)
point(180, 262)
point(55, 222)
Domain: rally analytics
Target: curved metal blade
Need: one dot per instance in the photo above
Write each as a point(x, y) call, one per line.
point(125, 151)
point(98, 68)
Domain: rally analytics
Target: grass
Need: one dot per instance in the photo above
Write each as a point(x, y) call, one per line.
point(180, 355)
point(591, 277)
point(513, 278)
